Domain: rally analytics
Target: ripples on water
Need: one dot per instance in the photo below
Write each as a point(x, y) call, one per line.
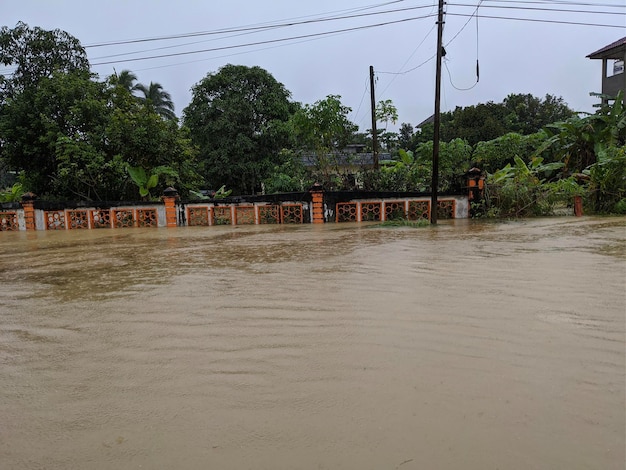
point(469, 345)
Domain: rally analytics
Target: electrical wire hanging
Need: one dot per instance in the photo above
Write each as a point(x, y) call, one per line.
point(445, 62)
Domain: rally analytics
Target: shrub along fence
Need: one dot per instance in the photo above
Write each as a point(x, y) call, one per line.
point(313, 206)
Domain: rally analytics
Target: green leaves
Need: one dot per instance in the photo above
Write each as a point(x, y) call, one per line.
point(237, 119)
point(161, 101)
point(36, 53)
point(386, 112)
point(12, 194)
point(144, 181)
point(406, 157)
point(579, 142)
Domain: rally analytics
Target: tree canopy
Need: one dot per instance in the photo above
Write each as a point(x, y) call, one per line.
point(520, 113)
point(238, 119)
point(73, 136)
point(154, 95)
point(36, 54)
point(323, 126)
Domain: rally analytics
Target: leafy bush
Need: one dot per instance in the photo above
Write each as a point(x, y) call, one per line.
point(454, 162)
point(522, 190)
point(290, 176)
point(494, 154)
point(13, 194)
point(607, 180)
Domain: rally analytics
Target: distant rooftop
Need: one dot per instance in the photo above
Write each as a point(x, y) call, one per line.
point(428, 120)
point(346, 159)
point(614, 50)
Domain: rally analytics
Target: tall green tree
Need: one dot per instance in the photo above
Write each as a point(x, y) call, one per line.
point(34, 54)
point(154, 95)
point(126, 79)
point(527, 114)
point(324, 126)
point(322, 131)
point(482, 122)
point(406, 136)
point(386, 112)
point(72, 136)
point(238, 119)
point(62, 106)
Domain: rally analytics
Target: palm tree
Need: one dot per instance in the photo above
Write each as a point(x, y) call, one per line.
point(160, 99)
point(127, 79)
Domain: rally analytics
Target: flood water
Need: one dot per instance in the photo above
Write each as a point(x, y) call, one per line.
point(470, 345)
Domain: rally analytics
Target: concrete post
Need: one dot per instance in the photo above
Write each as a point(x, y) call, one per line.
point(578, 206)
point(170, 195)
point(28, 204)
point(317, 205)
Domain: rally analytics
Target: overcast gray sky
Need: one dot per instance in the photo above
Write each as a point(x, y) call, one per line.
point(540, 55)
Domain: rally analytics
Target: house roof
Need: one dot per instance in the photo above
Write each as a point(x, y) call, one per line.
point(345, 160)
point(428, 120)
point(614, 50)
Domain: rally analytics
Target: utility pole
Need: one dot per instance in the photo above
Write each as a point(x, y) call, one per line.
point(374, 131)
point(437, 123)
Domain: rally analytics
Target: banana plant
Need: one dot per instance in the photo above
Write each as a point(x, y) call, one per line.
point(12, 194)
point(144, 181)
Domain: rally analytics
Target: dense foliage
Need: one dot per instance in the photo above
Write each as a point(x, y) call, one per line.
point(238, 119)
point(72, 136)
point(66, 134)
point(518, 113)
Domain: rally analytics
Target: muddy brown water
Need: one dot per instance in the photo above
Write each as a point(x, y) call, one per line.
point(469, 345)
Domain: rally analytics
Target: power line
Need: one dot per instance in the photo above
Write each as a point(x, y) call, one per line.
point(411, 69)
point(576, 23)
point(243, 31)
point(236, 53)
point(445, 62)
point(556, 10)
point(258, 27)
point(558, 2)
point(269, 41)
point(356, 113)
point(395, 75)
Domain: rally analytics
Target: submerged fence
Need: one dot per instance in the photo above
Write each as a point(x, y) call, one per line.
point(313, 206)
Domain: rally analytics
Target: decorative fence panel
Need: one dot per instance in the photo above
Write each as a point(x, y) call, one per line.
point(371, 211)
point(395, 210)
point(291, 213)
point(55, 220)
point(78, 219)
point(100, 218)
point(221, 215)
point(346, 212)
point(419, 210)
point(269, 214)
point(9, 221)
point(147, 218)
point(446, 209)
point(123, 218)
point(245, 215)
point(198, 216)
point(249, 210)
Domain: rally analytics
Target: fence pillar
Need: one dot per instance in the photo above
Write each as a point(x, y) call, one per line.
point(578, 206)
point(317, 204)
point(476, 185)
point(170, 195)
point(28, 204)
